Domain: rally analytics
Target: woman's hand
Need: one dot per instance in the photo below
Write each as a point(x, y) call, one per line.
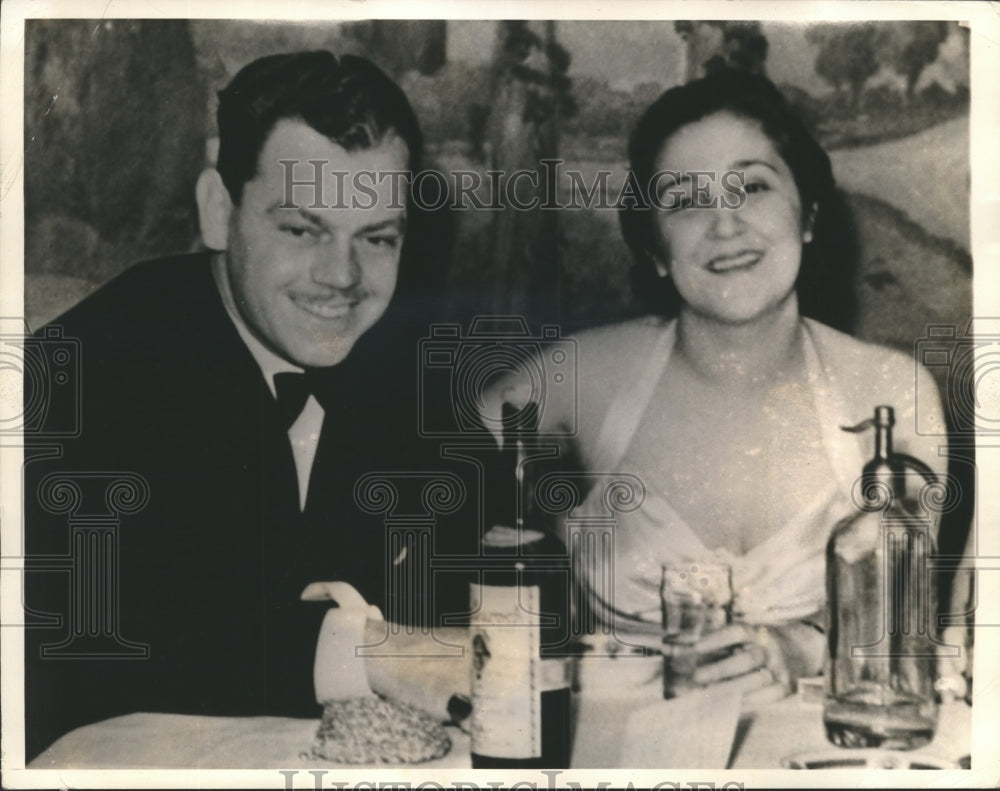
point(753, 665)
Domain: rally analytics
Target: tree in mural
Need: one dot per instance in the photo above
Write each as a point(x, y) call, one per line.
point(130, 87)
point(715, 44)
point(449, 103)
point(530, 94)
point(847, 56)
point(912, 46)
point(402, 45)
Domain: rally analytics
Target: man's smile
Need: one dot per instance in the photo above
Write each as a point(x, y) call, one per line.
point(326, 307)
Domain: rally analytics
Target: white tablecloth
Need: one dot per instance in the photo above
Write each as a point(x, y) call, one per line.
point(175, 741)
point(182, 741)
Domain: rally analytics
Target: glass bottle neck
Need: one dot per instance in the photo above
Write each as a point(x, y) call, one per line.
point(883, 466)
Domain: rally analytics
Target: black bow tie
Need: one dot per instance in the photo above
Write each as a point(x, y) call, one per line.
point(293, 389)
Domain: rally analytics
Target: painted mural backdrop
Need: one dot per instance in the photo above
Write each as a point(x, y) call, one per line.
point(120, 114)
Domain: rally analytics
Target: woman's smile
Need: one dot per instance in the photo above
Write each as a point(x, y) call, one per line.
point(730, 263)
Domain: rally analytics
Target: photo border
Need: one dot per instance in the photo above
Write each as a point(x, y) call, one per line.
point(985, 249)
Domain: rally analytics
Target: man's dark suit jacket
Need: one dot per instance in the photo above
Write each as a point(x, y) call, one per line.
point(210, 570)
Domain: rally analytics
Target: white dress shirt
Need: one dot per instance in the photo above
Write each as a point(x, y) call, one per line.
point(304, 432)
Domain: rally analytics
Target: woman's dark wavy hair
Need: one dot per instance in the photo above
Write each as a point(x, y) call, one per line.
point(825, 283)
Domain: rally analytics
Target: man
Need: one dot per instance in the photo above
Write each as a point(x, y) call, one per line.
point(240, 389)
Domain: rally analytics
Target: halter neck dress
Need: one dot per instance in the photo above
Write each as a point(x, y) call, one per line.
point(780, 579)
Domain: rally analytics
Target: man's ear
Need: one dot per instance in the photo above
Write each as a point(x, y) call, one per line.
point(214, 209)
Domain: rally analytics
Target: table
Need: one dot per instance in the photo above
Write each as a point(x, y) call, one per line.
point(709, 730)
point(792, 727)
point(183, 741)
point(176, 741)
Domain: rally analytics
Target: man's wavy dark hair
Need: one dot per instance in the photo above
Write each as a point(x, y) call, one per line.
point(348, 100)
point(352, 102)
point(825, 283)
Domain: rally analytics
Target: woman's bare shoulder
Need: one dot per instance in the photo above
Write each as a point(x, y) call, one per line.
point(618, 346)
point(868, 375)
point(864, 366)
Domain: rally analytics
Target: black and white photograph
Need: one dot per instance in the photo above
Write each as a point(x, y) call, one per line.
point(498, 395)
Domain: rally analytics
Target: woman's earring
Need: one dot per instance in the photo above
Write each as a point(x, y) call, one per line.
point(807, 234)
point(662, 269)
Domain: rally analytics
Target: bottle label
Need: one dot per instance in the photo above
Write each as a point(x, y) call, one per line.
point(506, 683)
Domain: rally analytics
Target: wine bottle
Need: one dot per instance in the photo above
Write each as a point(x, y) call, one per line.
point(519, 633)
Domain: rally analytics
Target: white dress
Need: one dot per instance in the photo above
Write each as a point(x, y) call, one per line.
point(780, 580)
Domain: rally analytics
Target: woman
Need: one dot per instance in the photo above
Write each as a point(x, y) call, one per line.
point(728, 404)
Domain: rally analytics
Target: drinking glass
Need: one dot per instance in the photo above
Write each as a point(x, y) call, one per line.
point(696, 599)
